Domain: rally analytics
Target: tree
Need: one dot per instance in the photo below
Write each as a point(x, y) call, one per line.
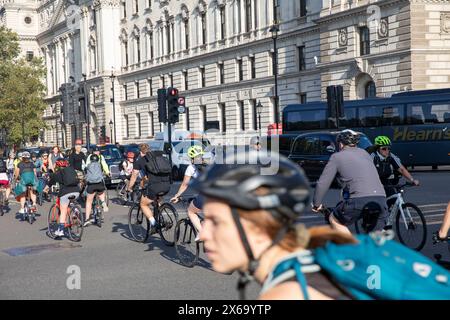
point(22, 91)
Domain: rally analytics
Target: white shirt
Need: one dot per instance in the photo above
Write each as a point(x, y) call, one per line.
point(192, 171)
point(129, 168)
point(3, 176)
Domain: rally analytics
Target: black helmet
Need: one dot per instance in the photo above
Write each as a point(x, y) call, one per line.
point(348, 137)
point(236, 181)
point(95, 158)
point(95, 149)
point(289, 191)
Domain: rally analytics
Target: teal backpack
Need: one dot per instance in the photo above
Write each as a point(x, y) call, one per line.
point(377, 268)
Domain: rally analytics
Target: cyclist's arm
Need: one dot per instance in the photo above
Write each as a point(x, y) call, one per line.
point(184, 185)
point(325, 180)
point(16, 173)
point(105, 166)
point(133, 179)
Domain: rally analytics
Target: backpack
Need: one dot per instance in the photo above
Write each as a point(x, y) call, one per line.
point(3, 168)
point(69, 177)
point(375, 268)
point(157, 164)
point(94, 173)
point(384, 168)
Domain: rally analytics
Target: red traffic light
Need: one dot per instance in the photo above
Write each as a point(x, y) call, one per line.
point(173, 92)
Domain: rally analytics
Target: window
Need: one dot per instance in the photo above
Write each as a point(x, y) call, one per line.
point(29, 55)
point(127, 126)
point(251, 61)
point(163, 81)
point(125, 45)
point(306, 120)
point(138, 125)
point(171, 80)
point(136, 6)
point(138, 48)
point(301, 58)
point(151, 124)
point(370, 90)
point(151, 44)
point(125, 92)
point(185, 77)
point(221, 73)
point(240, 70)
point(242, 114)
point(186, 34)
point(223, 113)
point(254, 114)
point(150, 87)
point(364, 35)
point(149, 5)
point(94, 17)
point(441, 111)
point(93, 96)
point(303, 98)
point(307, 146)
point(428, 113)
point(303, 8)
point(188, 126)
point(168, 37)
point(326, 141)
point(203, 18)
point(202, 78)
point(351, 120)
point(238, 3)
point(124, 10)
point(393, 115)
point(204, 119)
point(138, 93)
point(248, 15)
point(370, 116)
point(222, 23)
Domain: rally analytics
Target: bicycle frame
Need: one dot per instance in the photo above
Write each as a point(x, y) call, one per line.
point(398, 205)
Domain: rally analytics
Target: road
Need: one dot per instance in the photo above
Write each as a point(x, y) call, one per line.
point(33, 266)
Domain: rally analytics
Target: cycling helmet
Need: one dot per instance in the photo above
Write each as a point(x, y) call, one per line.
point(45, 154)
point(195, 151)
point(19, 155)
point(130, 155)
point(84, 150)
point(26, 155)
point(95, 158)
point(94, 149)
point(62, 163)
point(237, 181)
point(348, 137)
point(382, 141)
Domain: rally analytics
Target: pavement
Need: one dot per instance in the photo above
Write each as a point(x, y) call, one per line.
point(111, 266)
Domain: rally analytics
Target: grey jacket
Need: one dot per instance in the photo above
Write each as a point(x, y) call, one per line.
point(355, 170)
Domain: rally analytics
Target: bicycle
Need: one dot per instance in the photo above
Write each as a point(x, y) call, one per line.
point(97, 211)
point(74, 221)
point(29, 213)
point(408, 217)
point(3, 200)
point(187, 249)
point(121, 189)
point(165, 215)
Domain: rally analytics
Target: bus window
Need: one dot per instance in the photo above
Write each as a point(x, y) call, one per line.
point(393, 115)
point(441, 111)
point(351, 120)
point(370, 116)
point(305, 120)
point(415, 114)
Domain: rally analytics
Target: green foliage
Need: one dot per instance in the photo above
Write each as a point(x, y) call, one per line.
point(22, 90)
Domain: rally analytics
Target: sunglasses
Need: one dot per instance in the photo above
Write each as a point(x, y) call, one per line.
point(386, 148)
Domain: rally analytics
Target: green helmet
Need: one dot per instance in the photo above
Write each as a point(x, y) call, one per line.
point(382, 141)
point(195, 151)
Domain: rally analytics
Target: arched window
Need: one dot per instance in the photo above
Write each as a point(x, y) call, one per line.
point(92, 54)
point(370, 90)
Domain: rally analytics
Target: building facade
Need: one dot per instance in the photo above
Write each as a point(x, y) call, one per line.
point(220, 54)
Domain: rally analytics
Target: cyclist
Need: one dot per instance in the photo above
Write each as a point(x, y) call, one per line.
point(389, 167)
point(127, 166)
point(442, 234)
point(77, 158)
point(45, 163)
point(4, 179)
point(10, 165)
point(359, 178)
point(37, 162)
point(192, 172)
point(25, 174)
point(95, 185)
point(102, 161)
point(55, 155)
point(255, 143)
point(155, 185)
point(17, 160)
point(250, 223)
point(66, 176)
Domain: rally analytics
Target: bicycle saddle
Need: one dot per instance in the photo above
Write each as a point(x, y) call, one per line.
point(370, 213)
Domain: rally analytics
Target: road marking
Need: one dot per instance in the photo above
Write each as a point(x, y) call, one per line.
point(433, 205)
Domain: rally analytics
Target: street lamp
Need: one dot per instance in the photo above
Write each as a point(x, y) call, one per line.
point(274, 31)
point(259, 109)
point(87, 113)
point(113, 100)
point(111, 124)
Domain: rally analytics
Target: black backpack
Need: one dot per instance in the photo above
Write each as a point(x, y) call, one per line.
point(384, 168)
point(69, 177)
point(3, 168)
point(157, 164)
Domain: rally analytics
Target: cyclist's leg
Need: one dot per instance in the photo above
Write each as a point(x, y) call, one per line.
point(64, 205)
point(445, 227)
point(344, 215)
point(89, 200)
point(22, 203)
point(193, 210)
point(33, 197)
point(145, 207)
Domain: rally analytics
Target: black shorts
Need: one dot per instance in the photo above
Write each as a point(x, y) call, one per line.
point(97, 187)
point(349, 211)
point(152, 191)
point(198, 202)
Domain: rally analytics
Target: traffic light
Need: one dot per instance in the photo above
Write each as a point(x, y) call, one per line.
point(162, 105)
point(335, 101)
point(172, 103)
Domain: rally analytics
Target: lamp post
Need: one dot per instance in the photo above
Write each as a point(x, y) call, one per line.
point(274, 31)
point(87, 113)
point(259, 109)
point(111, 124)
point(113, 100)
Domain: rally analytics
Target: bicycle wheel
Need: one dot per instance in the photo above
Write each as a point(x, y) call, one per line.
point(2, 203)
point(185, 246)
point(120, 190)
point(76, 221)
point(53, 220)
point(412, 232)
point(99, 216)
point(138, 224)
point(167, 218)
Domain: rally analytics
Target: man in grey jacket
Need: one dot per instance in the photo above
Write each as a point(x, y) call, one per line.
point(357, 174)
